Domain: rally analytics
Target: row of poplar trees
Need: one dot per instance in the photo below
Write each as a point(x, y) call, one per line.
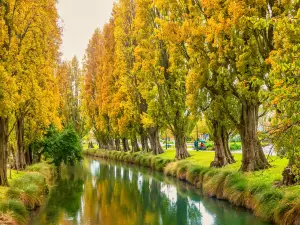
point(162, 64)
point(29, 41)
point(37, 89)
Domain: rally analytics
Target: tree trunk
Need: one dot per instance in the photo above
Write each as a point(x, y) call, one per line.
point(29, 156)
point(3, 150)
point(253, 155)
point(134, 144)
point(117, 144)
point(181, 147)
point(144, 142)
point(125, 145)
point(21, 162)
point(111, 144)
point(153, 134)
point(288, 176)
point(223, 155)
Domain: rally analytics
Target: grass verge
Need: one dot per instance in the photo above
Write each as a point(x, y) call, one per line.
point(25, 193)
point(255, 191)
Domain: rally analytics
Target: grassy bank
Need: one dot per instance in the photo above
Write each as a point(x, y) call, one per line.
point(256, 191)
point(25, 193)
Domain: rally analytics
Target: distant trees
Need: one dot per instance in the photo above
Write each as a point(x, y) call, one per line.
point(71, 108)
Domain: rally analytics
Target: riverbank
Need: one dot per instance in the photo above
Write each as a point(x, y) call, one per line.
point(25, 193)
point(256, 191)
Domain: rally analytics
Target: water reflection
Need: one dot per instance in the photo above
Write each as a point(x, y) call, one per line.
point(102, 192)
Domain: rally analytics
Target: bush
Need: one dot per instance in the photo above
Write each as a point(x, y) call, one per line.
point(62, 146)
point(235, 146)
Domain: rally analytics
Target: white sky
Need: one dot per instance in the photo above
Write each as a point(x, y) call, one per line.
point(80, 19)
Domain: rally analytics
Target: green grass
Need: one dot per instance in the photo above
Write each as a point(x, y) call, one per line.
point(25, 192)
point(253, 190)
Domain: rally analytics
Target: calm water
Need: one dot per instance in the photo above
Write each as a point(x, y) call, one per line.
point(109, 193)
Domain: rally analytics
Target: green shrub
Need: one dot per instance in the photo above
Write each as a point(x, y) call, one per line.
point(235, 146)
point(62, 147)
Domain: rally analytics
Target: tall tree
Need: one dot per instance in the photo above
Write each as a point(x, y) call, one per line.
point(100, 87)
point(145, 68)
point(174, 68)
point(129, 120)
point(285, 94)
point(70, 82)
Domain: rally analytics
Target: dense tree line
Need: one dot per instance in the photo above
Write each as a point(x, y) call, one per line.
point(164, 64)
point(36, 89)
point(156, 66)
point(29, 42)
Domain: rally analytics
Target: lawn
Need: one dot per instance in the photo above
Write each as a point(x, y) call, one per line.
point(202, 158)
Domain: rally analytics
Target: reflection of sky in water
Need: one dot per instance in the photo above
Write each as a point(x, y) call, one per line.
point(170, 191)
point(78, 216)
point(122, 172)
point(140, 182)
point(130, 175)
point(94, 182)
point(206, 217)
point(95, 168)
point(115, 171)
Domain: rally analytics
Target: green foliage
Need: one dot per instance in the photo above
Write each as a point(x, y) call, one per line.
point(232, 145)
point(235, 145)
point(62, 147)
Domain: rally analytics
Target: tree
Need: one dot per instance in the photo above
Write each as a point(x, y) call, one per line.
point(100, 86)
point(130, 98)
point(163, 65)
point(145, 68)
point(284, 97)
point(62, 147)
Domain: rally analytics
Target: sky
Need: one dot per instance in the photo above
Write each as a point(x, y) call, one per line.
point(80, 19)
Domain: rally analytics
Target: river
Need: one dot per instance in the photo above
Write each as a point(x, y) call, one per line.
point(104, 192)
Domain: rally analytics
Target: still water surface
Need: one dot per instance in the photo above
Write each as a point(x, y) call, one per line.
point(109, 193)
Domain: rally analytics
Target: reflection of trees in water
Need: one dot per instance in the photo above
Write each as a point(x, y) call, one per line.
point(149, 204)
point(126, 196)
point(129, 195)
point(64, 201)
point(65, 198)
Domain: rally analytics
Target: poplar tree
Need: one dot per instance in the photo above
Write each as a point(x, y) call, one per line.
point(285, 94)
